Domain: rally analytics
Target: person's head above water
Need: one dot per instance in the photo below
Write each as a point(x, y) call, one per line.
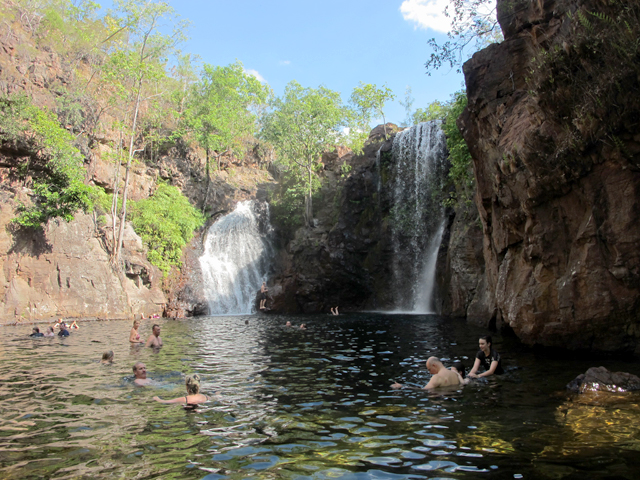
point(458, 367)
point(434, 365)
point(485, 343)
point(108, 357)
point(136, 324)
point(140, 370)
point(36, 330)
point(156, 330)
point(192, 382)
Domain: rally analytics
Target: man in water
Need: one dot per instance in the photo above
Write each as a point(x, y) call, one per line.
point(441, 376)
point(154, 339)
point(63, 330)
point(140, 372)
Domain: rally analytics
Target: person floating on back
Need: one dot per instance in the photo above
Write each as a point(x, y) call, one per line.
point(488, 358)
point(334, 310)
point(441, 376)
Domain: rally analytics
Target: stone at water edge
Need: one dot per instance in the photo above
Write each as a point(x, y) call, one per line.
point(599, 379)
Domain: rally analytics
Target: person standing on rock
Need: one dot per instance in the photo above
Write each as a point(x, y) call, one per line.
point(488, 358)
point(263, 296)
point(154, 339)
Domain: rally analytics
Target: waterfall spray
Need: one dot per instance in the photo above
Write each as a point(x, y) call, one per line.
point(236, 259)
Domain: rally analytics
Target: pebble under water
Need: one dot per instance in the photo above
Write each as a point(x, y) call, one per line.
point(303, 404)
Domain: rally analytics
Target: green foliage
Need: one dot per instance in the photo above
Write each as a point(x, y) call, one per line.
point(367, 102)
point(473, 24)
point(461, 172)
point(301, 126)
point(55, 163)
point(221, 108)
point(165, 222)
point(435, 111)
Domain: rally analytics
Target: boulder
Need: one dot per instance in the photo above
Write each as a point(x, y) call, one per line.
point(599, 379)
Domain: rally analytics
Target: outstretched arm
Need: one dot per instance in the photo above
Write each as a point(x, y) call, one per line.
point(474, 370)
point(173, 400)
point(492, 369)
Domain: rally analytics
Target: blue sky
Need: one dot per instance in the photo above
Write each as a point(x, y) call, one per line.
point(332, 43)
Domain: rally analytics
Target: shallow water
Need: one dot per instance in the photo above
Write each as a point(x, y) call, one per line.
point(294, 404)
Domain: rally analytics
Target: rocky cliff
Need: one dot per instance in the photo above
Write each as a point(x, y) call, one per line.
point(64, 271)
point(552, 127)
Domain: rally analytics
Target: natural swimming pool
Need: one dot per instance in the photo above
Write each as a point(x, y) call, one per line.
point(294, 404)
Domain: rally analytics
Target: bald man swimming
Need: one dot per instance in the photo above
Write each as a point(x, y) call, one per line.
point(440, 376)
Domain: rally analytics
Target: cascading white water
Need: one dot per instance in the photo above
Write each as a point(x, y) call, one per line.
point(236, 259)
point(421, 166)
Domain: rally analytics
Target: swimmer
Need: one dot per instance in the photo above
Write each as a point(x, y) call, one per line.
point(334, 310)
point(50, 332)
point(140, 372)
point(154, 339)
point(74, 325)
point(440, 376)
point(36, 332)
point(107, 357)
point(63, 330)
point(488, 358)
point(303, 326)
point(193, 397)
point(134, 336)
point(58, 323)
point(288, 324)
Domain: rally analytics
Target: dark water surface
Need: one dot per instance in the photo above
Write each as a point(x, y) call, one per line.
point(294, 404)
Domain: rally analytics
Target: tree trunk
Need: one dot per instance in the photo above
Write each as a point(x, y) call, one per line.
point(309, 204)
point(123, 214)
point(208, 173)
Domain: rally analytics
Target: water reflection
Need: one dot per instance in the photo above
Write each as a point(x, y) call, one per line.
point(299, 404)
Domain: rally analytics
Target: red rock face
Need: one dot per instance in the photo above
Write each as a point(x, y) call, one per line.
point(558, 195)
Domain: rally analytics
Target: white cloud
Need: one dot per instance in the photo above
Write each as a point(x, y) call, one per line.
point(284, 62)
point(427, 14)
point(255, 74)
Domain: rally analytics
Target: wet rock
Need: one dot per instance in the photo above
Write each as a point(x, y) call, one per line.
point(599, 379)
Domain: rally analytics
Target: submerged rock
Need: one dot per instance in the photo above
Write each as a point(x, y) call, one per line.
point(599, 379)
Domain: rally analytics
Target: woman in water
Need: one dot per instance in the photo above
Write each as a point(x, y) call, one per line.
point(50, 332)
point(107, 357)
point(134, 336)
point(193, 397)
point(488, 358)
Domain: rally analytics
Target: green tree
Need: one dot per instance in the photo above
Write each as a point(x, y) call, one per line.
point(473, 24)
point(435, 110)
point(221, 111)
point(53, 161)
point(304, 123)
point(165, 222)
point(367, 102)
point(129, 69)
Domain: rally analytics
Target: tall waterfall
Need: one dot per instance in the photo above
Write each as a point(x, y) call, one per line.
point(420, 157)
point(236, 259)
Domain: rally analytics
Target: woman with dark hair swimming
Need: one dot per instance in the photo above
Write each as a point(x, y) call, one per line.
point(488, 358)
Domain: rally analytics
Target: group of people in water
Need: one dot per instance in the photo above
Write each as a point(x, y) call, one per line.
point(60, 325)
point(486, 359)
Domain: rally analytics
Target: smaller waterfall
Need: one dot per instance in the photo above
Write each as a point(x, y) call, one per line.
point(236, 259)
point(421, 167)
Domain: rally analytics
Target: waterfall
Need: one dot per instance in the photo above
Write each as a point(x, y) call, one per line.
point(236, 259)
point(417, 215)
